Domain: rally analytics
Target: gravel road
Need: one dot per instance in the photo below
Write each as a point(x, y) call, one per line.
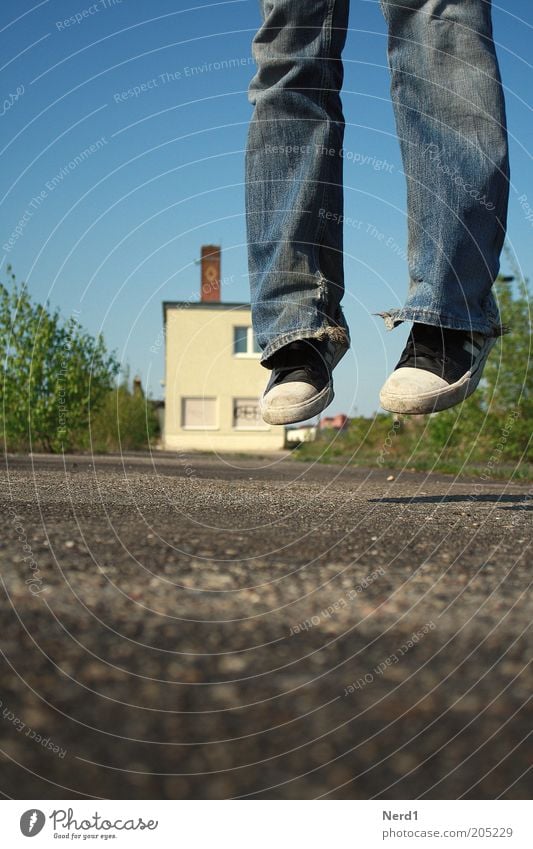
point(196, 627)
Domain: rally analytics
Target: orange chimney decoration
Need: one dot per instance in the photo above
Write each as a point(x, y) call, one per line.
point(210, 263)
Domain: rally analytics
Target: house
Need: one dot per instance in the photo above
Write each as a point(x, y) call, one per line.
point(213, 377)
point(338, 422)
point(303, 433)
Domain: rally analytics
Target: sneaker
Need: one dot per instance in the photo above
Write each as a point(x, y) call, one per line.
point(438, 369)
point(300, 385)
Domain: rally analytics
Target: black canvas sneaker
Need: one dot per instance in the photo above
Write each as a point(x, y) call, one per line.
point(438, 369)
point(300, 385)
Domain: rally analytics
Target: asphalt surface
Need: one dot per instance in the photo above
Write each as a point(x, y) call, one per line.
point(187, 627)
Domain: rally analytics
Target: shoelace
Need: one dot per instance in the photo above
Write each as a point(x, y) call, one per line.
point(307, 358)
point(308, 368)
point(309, 362)
point(417, 350)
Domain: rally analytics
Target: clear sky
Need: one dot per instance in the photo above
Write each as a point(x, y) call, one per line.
point(163, 168)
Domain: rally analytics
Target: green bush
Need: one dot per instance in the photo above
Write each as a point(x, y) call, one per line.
point(53, 374)
point(125, 421)
point(58, 390)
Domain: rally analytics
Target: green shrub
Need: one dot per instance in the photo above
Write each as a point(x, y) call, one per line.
point(125, 421)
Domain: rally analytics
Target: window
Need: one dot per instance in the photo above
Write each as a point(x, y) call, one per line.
point(247, 415)
point(199, 413)
point(245, 343)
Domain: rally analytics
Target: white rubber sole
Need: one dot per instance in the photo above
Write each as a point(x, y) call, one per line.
point(442, 399)
point(293, 413)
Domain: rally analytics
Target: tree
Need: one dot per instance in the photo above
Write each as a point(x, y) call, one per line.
point(126, 421)
point(54, 374)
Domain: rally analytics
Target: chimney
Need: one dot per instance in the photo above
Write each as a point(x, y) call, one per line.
point(210, 264)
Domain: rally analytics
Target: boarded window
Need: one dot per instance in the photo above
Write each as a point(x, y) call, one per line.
point(199, 412)
point(247, 415)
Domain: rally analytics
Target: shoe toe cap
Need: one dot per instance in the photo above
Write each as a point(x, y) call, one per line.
point(411, 390)
point(288, 395)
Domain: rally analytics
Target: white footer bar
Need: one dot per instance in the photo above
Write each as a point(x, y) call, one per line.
point(269, 823)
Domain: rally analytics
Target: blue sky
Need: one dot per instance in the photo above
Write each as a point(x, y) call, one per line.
point(120, 233)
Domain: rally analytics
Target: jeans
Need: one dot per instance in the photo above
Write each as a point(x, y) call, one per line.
point(450, 117)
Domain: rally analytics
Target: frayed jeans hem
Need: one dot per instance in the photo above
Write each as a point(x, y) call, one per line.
point(393, 318)
point(338, 338)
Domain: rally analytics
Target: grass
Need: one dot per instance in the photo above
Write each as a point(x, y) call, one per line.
point(475, 449)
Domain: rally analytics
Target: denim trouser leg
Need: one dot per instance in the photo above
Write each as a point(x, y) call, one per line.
point(294, 195)
point(450, 116)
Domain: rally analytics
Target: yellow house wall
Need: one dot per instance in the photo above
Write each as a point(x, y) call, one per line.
point(200, 363)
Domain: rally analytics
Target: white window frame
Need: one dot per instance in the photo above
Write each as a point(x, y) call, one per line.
point(214, 398)
point(254, 427)
point(249, 354)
